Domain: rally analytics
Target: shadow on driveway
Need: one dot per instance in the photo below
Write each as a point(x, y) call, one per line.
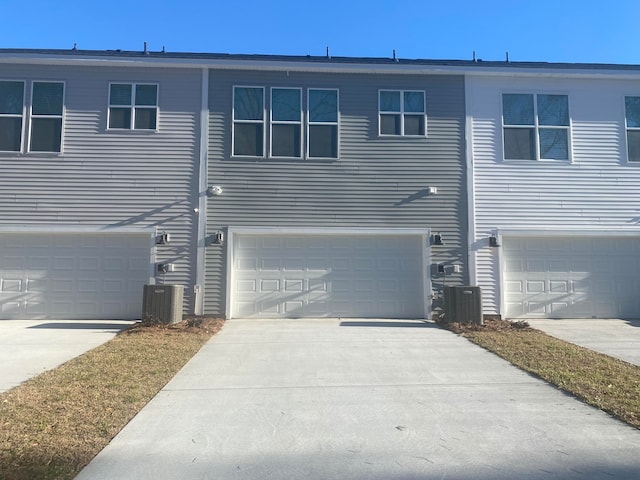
point(84, 325)
point(387, 323)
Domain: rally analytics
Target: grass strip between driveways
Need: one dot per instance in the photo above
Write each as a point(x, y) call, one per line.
point(607, 383)
point(54, 424)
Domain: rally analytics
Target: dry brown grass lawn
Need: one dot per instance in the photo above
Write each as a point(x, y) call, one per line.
point(54, 424)
point(607, 383)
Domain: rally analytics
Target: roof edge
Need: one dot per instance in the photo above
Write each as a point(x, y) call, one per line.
point(307, 62)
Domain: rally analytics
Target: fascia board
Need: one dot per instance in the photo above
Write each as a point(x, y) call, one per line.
point(302, 66)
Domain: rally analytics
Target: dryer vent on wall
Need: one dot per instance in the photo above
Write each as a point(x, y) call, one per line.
point(162, 303)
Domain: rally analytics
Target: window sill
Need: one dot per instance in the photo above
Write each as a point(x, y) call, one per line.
point(244, 158)
point(544, 161)
point(388, 135)
point(131, 131)
point(31, 154)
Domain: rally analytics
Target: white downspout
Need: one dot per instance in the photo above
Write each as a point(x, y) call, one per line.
point(471, 211)
point(198, 294)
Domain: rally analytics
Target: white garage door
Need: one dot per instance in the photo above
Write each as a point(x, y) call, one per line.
point(328, 276)
point(572, 277)
point(73, 275)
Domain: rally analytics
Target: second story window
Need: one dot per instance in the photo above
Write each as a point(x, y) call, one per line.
point(11, 114)
point(322, 128)
point(133, 106)
point(248, 121)
point(632, 114)
point(47, 100)
point(535, 126)
point(402, 112)
point(286, 122)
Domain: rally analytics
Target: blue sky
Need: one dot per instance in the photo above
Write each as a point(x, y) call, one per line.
point(552, 31)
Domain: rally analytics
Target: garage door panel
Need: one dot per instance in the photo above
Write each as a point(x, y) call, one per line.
point(559, 286)
point(513, 265)
point(318, 285)
point(35, 284)
point(339, 264)
point(87, 309)
point(537, 308)
point(35, 308)
point(60, 285)
point(269, 285)
point(571, 277)
point(9, 285)
point(535, 286)
point(73, 275)
point(293, 285)
point(514, 286)
point(13, 263)
point(294, 264)
point(329, 275)
point(341, 286)
point(558, 307)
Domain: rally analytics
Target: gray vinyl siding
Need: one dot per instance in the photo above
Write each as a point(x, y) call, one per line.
point(113, 179)
point(375, 182)
point(595, 190)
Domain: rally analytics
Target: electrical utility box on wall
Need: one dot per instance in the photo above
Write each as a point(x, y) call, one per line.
point(463, 305)
point(162, 303)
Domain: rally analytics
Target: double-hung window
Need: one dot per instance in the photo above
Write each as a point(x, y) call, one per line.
point(248, 121)
point(11, 115)
point(133, 106)
point(402, 112)
point(286, 122)
point(282, 129)
point(535, 126)
point(47, 100)
point(322, 128)
point(632, 114)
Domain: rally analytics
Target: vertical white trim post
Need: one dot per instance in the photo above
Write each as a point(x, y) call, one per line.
point(198, 296)
point(470, 173)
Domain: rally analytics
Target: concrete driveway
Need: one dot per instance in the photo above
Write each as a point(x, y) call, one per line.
point(30, 347)
point(614, 337)
point(349, 399)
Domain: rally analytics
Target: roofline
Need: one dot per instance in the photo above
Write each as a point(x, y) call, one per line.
point(310, 63)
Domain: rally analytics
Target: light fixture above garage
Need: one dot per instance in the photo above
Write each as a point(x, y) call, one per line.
point(493, 241)
point(163, 238)
point(218, 238)
point(214, 190)
point(436, 239)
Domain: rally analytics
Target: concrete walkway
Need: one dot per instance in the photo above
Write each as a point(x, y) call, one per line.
point(332, 399)
point(613, 337)
point(30, 347)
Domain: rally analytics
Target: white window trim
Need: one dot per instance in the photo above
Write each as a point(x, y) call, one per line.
point(21, 115)
point(253, 122)
point(626, 130)
point(402, 113)
point(133, 107)
point(537, 128)
point(61, 117)
point(283, 122)
point(309, 123)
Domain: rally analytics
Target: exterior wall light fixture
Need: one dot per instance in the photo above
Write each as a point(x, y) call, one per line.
point(218, 238)
point(163, 238)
